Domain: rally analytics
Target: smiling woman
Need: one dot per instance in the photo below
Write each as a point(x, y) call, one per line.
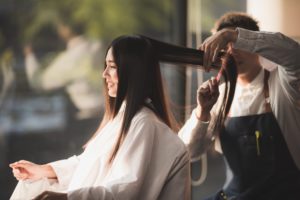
point(134, 154)
point(110, 74)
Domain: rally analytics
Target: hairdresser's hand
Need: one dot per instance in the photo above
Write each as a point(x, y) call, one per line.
point(207, 96)
point(47, 195)
point(25, 170)
point(215, 43)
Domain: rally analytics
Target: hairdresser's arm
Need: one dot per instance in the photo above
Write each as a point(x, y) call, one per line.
point(195, 132)
point(276, 47)
point(279, 49)
point(194, 135)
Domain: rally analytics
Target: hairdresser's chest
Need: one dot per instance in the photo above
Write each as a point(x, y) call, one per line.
point(248, 99)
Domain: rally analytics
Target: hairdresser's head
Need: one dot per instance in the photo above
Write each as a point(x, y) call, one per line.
point(233, 20)
point(236, 19)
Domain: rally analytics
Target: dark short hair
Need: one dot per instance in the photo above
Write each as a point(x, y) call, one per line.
point(236, 19)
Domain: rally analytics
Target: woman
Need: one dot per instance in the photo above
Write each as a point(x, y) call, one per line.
point(134, 154)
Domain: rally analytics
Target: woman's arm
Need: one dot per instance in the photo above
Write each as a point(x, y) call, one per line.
point(61, 170)
point(25, 170)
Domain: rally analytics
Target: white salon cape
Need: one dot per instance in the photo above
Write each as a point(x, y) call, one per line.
point(152, 163)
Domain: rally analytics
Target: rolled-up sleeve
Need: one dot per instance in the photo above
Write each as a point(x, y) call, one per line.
point(195, 135)
point(64, 170)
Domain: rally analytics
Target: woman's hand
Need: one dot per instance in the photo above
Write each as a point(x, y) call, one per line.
point(25, 170)
point(207, 96)
point(47, 195)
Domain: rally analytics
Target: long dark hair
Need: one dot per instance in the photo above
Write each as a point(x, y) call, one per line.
point(230, 77)
point(139, 78)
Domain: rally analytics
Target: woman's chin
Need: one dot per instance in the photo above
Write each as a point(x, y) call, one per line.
point(112, 94)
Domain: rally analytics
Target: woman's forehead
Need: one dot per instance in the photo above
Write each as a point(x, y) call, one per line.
point(109, 56)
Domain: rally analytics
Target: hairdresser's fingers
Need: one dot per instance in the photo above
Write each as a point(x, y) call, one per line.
point(206, 56)
point(213, 52)
point(216, 53)
point(214, 82)
point(215, 88)
point(212, 89)
point(209, 58)
point(215, 85)
point(204, 92)
point(203, 87)
point(202, 47)
point(206, 47)
point(210, 86)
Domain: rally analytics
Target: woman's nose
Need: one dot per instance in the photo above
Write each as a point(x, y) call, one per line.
point(104, 73)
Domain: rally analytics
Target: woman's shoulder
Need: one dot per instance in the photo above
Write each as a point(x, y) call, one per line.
point(163, 133)
point(147, 117)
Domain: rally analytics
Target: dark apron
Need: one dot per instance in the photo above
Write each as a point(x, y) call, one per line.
point(258, 156)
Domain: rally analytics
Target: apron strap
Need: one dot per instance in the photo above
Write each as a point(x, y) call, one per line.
point(266, 91)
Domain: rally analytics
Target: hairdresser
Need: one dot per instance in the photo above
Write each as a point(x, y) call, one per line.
point(260, 137)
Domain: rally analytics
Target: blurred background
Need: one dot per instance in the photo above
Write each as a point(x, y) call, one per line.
point(51, 61)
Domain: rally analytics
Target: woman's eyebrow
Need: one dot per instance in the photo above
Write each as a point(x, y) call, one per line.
point(110, 61)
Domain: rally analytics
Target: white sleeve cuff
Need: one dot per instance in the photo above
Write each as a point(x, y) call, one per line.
point(64, 169)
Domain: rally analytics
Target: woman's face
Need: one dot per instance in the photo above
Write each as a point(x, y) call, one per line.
point(110, 74)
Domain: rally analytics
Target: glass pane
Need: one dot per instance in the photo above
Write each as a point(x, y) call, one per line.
point(210, 173)
point(51, 61)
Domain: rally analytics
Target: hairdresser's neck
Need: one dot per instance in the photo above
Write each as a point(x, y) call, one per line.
point(247, 73)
